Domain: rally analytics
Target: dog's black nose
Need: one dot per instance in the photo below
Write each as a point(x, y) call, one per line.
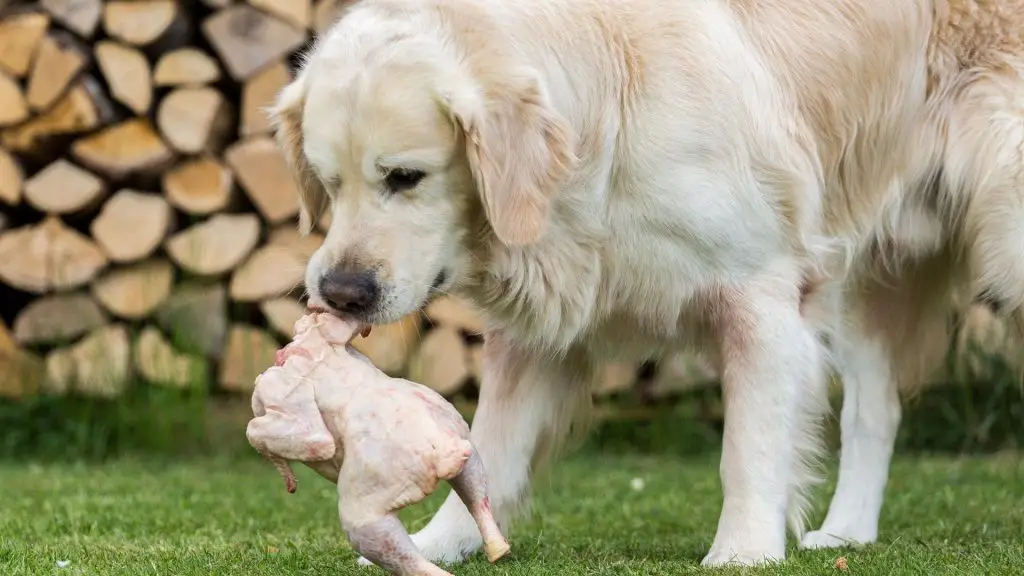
point(349, 291)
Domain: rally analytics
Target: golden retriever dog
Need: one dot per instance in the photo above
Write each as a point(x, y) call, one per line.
point(628, 178)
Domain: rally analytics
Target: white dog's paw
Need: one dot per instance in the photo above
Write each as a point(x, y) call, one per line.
point(364, 562)
point(447, 544)
point(719, 557)
point(831, 539)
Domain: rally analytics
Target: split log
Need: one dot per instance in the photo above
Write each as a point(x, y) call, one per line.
point(99, 365)
point(58, 62)
point(131, 147)
point(127, 73)
point(186, 67)
point(135, 291)
point(20, 36)
point(263, 173)
point(23, 373)
point(11, 179)
point(132, 225)
point(288, 235)
point(390, 346)
point(249, 352)
point(196, 317)
point(678, 373)
point(615, 377)
point(199, 186)
point(80, 16)
point(5, 222)
point(48, 256)
point(83, 108)
point(216, 245)
point(64, 188)
point(271, 271)
point(258, 93)
point(194, 120)
point(455, 313)
point(146, 23)
point(247, 39)
point(13, 108)
point(159, 363)
point(326, 13)
point(441, 363)
point(217, 3)
point(476, 362)
point(57, 319)
point(282, 314)
point(298, 13)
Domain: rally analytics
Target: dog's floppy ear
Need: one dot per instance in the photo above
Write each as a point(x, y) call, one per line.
point(520, 150)
point(286, 118)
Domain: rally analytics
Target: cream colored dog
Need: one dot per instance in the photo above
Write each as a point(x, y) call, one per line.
point(628, 177)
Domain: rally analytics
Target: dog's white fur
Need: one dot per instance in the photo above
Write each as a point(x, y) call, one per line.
point(628, 177)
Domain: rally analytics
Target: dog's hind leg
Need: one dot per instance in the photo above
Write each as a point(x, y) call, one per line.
point(984, 177)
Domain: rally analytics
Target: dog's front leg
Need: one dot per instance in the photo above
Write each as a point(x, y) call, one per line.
point(527, 403)
point(775, 394)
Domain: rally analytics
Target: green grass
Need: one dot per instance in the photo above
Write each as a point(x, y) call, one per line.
point(943, 515)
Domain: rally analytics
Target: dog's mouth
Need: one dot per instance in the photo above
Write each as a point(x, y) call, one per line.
point(313, 309)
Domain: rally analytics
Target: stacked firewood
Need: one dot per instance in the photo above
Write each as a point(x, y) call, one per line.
point(147, 218)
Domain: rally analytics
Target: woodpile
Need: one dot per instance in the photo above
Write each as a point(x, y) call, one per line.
point(148, 222)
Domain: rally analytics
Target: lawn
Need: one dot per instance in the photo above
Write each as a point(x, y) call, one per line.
point(232, 516)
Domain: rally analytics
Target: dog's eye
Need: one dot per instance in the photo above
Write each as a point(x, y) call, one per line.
point(401, 179)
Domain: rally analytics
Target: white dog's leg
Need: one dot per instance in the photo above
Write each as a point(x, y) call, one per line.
point(869, 422)
point(526, 406)
point(775, 394)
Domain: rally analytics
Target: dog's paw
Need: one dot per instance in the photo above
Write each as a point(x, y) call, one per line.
point(818, 539)
point(364, 562)
point(721, 557)
point(447, 545)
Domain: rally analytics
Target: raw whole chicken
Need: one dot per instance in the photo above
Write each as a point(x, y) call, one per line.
point(386, 442)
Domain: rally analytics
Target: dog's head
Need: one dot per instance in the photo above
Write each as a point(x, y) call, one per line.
point(415, 133)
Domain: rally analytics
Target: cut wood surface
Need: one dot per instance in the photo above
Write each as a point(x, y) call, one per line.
point(196, 318)
point(281, 315)
point(194, 119)
point(389, 346)
point(12, 177)
point(263, 173)
point(13, 108)
point(140, 22)
point(57, 319)
point(98, 365)
point(215, 245)
point(20, 36)
point(134, 291)
point(271, 271)
point(157, 361)
point(80, 16)
point(122, 149)
point(326, 12)
point(186, 67)
point(455, 313)
point(126, 71)
point(441, 362)
point(288, 235)
point(59, 60)
point(258, 93)
point(298, 13)
point(132, 225)
point(199, 186)
point(62, 188)
point(250, 351)
point(48, 256)
point(247, 39)
point(83, 108)
point(615, 377)
point(678, 373)
point(23, 373)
